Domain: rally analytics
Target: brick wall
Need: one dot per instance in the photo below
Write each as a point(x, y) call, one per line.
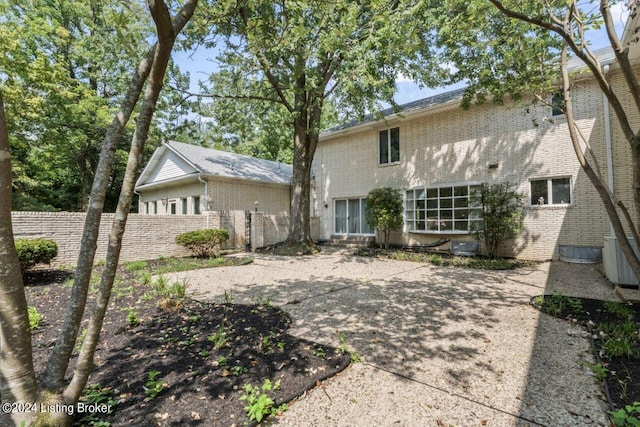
point(146, 236)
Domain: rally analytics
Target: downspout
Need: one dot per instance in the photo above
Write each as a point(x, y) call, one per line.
point(607, 141)
point(206, 197)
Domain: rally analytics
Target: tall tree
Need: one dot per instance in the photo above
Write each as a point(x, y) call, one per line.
point(67, 64)
point(17, 375)
point(522, 46)
point(298, 54)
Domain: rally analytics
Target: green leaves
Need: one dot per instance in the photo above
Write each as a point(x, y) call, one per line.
point(383, 210)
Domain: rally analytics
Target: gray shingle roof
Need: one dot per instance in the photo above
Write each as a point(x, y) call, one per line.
point(605, 54)
point(403, 109)
point(222, 163)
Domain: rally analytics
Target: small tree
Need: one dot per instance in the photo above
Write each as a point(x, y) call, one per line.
point(502, 215)
point(384, 211)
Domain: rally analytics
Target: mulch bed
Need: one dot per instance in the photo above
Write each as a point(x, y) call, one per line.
point(204, 354)
point(622, 382)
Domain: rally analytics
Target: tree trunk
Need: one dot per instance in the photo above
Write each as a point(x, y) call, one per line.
point(59, 360)
point(300, 232)
point(166, 39)
point(306, 129)
point(595, 179)
point(17, 377)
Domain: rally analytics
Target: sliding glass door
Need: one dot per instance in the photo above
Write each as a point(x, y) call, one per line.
point(349, 216)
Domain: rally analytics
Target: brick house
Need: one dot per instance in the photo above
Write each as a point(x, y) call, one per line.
point(185, 179)
point(436, 153)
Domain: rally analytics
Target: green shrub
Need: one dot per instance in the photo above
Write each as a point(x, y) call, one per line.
point(383, 211)
point(35, 251)
point(203, 243)
point(502, 214)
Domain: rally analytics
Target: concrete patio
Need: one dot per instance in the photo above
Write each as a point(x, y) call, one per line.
point(440, 345)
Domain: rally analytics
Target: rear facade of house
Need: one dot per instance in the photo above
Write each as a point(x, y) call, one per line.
point(437, 154)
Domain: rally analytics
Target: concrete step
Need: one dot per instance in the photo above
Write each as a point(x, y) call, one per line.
point(349, 241)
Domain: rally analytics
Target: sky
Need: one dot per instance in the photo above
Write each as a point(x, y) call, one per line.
point(199, 64)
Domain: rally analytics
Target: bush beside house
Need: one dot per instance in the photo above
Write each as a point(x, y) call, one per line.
point(383, 211)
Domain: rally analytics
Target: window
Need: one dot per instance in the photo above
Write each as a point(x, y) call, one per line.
point(196, 205)
point(184, 206)
point(173, 207)
point(389, 146)
point(557, 104)
point(550, 191)
point(154, 205)
point(443, 209)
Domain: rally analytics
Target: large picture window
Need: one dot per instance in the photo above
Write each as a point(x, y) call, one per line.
point(389, 146)
point(550, 191)
point(442, 209)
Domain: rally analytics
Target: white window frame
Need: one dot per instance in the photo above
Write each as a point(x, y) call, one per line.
point(389, 160)
point(412, 216)
point(550, 192)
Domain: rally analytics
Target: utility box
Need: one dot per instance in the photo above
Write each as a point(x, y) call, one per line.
point(616, 267)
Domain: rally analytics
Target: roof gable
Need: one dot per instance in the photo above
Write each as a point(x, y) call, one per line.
point(175, 160)
point(231, 165)
point(165, 165)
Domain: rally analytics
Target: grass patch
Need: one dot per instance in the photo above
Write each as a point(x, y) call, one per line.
point(172, 265)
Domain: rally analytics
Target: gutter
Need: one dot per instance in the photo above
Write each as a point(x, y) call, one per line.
point(607, 141)
point(206, 197)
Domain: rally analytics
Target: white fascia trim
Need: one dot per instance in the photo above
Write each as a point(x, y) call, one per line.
point(168, 182)
point(400, 116)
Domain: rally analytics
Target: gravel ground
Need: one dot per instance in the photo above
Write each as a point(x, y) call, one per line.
point(440, 345)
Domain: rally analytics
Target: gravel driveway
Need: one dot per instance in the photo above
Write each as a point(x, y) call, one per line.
point(441, 345)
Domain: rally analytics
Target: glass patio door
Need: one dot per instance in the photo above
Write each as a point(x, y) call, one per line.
point(341, 217)
point(349, 216)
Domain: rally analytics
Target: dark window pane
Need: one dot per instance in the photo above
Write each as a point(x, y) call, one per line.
point(419, 204)
point(460, 191)
point(432, 193)
point(395, 145)
point(461, 225)
point(432, 204)
point(557, 104)
point(561, 191)
point(461, 202)
point(384, 147)
point(539, 192)
point(461, 214)
point(446, 203)
point(445, 192)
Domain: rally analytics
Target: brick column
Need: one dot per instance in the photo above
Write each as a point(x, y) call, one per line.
point(257, 230)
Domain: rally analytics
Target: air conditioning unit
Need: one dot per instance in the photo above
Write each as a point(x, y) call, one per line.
point(616, 267)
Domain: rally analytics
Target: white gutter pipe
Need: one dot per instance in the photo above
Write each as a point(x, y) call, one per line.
point(206, 197)
point(607, 141)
